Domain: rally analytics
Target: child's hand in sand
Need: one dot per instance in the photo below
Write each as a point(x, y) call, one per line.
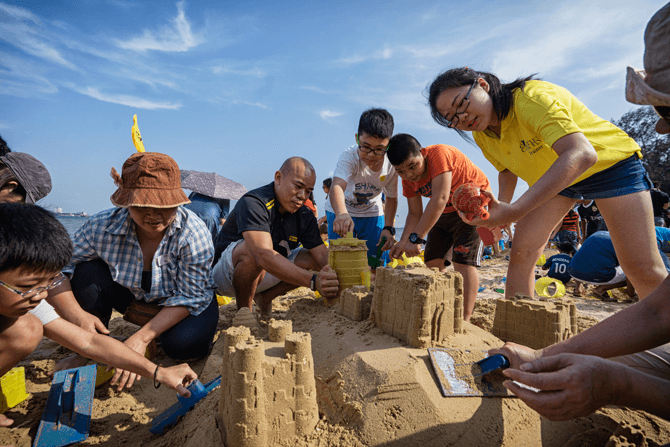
point(127, 378)
point(517, 354)
point(177, 378)
point(570, 385)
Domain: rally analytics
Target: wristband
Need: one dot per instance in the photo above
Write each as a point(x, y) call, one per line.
point(390, 229)
point(312, 283)
point(156, 385)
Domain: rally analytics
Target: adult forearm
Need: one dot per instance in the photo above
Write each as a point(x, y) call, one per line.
point(644, 325)
point(644, 392)
point(566, 169)
point(389, 212)
point(164, 320)
point(280, 267)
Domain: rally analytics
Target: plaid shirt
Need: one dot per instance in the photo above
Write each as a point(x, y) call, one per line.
point(181, 271)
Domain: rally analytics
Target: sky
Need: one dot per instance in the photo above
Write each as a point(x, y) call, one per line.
point(238, 87)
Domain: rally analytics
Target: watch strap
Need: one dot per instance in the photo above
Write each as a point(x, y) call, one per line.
point(390, 229)
point(312, 283)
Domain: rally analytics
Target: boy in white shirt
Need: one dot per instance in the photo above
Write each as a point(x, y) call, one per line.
point(363, 173)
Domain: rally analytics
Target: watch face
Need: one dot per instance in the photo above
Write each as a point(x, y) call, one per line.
point(413, 238)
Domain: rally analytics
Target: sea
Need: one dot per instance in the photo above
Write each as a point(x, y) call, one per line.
point(72, 223)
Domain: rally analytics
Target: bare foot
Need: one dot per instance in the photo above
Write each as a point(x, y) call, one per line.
point(5, 421)
point(265, 308)
point(74, 361)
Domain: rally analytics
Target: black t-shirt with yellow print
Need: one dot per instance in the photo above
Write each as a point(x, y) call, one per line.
point(258, 210)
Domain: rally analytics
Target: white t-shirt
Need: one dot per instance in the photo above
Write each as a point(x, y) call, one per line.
point(45, 312)
point(363, 196)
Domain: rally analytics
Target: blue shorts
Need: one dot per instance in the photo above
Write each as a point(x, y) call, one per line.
point(367, 228)
point(625, 177)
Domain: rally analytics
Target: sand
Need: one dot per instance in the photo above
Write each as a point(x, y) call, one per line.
point(371, 389)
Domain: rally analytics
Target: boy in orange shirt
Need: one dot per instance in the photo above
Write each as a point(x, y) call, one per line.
point(435, 172)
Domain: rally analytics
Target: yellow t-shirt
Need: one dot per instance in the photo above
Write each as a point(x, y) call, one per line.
point(541, 114)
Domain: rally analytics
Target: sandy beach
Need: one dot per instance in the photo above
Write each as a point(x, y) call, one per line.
point(371, 389)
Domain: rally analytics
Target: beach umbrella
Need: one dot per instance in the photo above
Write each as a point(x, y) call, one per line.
point(212, 184)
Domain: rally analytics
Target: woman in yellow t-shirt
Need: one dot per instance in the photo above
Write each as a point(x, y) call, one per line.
point(541, 133)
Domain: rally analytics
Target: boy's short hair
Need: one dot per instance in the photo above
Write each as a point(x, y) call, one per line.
point(401, 147)
point(32, 239)
point(565, 247)
point(323, 228)
point(377, 123)
point(327, 183)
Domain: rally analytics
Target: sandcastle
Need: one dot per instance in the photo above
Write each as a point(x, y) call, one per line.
point(418, 305)
point(355, 303)
point(536, 324)
point(268, 391)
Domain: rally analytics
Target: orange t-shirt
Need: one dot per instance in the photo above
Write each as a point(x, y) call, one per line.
point(442, 158)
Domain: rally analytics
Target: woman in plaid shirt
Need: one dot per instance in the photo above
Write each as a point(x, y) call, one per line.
point(148, 254)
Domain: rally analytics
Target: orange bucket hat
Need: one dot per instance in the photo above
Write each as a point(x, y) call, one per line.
point(149, 179)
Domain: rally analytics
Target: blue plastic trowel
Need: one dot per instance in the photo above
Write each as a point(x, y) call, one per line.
point(67, 415)
point(475, 381)
point(184, 405)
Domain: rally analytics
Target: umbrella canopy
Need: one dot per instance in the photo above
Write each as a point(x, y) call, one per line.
point(212, 184)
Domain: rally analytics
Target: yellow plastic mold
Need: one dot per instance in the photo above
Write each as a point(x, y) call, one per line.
point(13, 388)
point(542, 286)
point(348, 256)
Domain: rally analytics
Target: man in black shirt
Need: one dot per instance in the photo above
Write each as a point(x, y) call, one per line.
point(258, 254)
point(660, 202)
point(591, 220)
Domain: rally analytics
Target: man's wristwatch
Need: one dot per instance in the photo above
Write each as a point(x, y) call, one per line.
point(312, 283)
point(390, 229)
point(415, 239)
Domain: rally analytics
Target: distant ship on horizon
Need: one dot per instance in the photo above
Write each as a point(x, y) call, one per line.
point(59, 213)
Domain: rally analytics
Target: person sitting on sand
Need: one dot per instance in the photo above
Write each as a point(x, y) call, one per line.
point(558, 264)
point(258, 253)
point(568, 230)
point(149, 258)
point(23, 178)
point(211, 210)
point(571, 380)
point(362, 176)
point(435, 172)
point(34, 247)
point(541, 133)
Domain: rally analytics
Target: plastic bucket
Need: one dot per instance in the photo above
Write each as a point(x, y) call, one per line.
point(542, 287)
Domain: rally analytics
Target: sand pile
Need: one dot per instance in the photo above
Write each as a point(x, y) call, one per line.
point(372, 390)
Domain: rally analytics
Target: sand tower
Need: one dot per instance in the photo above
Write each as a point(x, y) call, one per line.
point(536, 324)
point(418, 305)
point(268, 391)
point(348, 256)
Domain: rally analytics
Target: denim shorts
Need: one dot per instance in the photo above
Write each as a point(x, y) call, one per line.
point(625, 177)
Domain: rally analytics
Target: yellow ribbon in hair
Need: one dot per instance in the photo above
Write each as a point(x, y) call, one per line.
point(137, 138)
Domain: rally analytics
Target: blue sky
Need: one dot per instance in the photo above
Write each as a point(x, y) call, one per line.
point(236, 88)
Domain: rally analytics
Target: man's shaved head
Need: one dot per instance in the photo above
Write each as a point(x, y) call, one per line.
point(297, 164)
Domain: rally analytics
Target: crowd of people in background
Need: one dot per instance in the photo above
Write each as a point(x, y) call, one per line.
point(160, 257)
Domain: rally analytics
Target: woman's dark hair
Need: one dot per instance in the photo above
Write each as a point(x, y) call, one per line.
point(4, 149)
point(328, 182)
point(501, 94)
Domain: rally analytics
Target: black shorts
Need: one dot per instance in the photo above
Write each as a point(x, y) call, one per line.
point(450, 231)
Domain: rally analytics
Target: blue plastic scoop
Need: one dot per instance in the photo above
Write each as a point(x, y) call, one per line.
point(492, 363)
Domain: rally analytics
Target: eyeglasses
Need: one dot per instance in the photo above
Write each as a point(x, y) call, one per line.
point(663, 112)
point(367, 150)
point(462, 107)
point(55, 282)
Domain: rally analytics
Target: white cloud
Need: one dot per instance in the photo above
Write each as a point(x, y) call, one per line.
point(386, 53)
point(23, 78)
point(175, 38)
point(327, 114)
point(254, 72)
point(18, 13)
point(125, 100)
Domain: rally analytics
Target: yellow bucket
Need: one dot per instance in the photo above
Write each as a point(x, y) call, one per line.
point(542, 286)
point(223, 300)
point(541, 261)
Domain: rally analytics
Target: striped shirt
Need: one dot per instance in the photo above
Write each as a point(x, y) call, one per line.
point(570, 221)
point(181, 270)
